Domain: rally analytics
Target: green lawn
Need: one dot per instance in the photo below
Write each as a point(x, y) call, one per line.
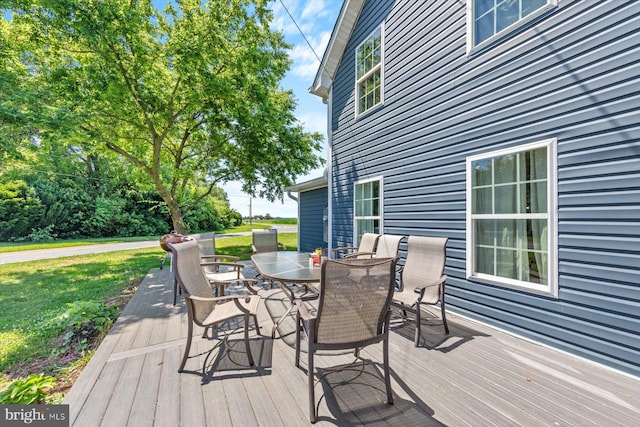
point(32, 294)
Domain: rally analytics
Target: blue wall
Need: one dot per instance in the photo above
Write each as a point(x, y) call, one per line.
point(571, 74)
point(310, 222)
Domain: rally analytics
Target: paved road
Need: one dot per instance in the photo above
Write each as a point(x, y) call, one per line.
point(22, 256)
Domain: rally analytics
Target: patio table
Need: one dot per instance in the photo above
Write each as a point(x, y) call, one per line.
point(289, 268)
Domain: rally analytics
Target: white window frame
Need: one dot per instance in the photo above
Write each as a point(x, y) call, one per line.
point(379, 217)
point(551, 288)
point(471, 42)
point(379, 67)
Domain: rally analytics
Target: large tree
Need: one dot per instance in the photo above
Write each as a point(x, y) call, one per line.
point(189, 95)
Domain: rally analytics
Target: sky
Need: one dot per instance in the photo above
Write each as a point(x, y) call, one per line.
point(316, 19)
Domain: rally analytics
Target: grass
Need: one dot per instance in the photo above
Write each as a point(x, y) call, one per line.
point(34, 293)
point(240, 246)
point(27, 246)
point(24, 246)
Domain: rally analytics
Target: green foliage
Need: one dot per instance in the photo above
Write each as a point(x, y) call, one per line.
point(20, 209)
point(189, 97)
point(82, 323)
point(30, 390)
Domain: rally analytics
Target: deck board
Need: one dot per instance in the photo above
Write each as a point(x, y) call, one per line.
point(475, 376)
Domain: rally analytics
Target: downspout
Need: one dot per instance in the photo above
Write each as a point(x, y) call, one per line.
point(329, 172)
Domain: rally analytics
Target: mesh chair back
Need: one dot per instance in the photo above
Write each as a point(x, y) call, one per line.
point(207, 245)
point(388, 245)
point(368, 243)
point(191, 277)
point(425, 264)
point(354, 298)
point(265, 240)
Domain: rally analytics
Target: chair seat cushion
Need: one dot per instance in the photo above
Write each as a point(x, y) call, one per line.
point(229, 309)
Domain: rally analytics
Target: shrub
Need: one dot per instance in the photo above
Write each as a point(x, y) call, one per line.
point(25, 391)
point(82, 323)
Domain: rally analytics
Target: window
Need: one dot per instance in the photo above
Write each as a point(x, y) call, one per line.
point(368, 208)
point(491, 17)
point(369, 72)
point(511, 205)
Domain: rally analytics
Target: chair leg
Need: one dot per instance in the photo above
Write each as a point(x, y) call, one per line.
point(387, 373)
point(175, 291)
point(246, 339)
point(444, 317)
point(255, 322)
point(188, 347)
point(418, 322)
point(298, 333)
point(313, 415)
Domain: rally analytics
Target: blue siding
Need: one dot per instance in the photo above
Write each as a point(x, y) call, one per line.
point(571, 74)
point(310, 223)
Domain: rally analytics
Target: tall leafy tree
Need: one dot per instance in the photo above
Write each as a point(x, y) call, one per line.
point(189, 95)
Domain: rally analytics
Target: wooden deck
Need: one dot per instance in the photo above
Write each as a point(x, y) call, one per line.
point(475, 376)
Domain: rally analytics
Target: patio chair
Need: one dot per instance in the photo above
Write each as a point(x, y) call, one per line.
point(367, 245)
point(204, 309)
point(221, 270)
point(422, 278)
point(387, 247)
point(353, 312)
point(266, 241)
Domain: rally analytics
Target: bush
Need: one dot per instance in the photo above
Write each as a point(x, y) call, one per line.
point(82, 323)
point(26, 391)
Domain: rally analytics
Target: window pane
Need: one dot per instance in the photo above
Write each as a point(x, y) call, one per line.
point(507, 13)
point(484, 27)
point(533, 164)
point(507, 263)
point(533, 197)
point(485, 232)
point(483, 6)
point(506, 199)
point(483, 200)
point(482, 172)
point(485, 260)
point(505, 168)
point(507, 233)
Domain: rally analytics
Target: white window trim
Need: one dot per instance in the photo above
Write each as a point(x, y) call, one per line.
point(357, 80)
point(381, 207)
point(471, 47)
point(551, 289)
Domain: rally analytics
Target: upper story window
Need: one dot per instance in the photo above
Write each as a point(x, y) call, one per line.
point(511, 217)
point(492, 17)
point(368, 208)
point(369, 72)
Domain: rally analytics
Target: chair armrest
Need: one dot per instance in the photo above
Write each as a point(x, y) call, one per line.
point(254, 249)
point(302, 310)
point(224, 264)
point(440, 281)
point(229, 257)
point(357, 254)
point(343, 248)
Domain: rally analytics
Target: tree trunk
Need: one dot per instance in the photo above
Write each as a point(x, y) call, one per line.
point(176, 217)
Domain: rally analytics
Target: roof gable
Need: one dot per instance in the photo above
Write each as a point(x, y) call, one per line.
point(337, 43)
